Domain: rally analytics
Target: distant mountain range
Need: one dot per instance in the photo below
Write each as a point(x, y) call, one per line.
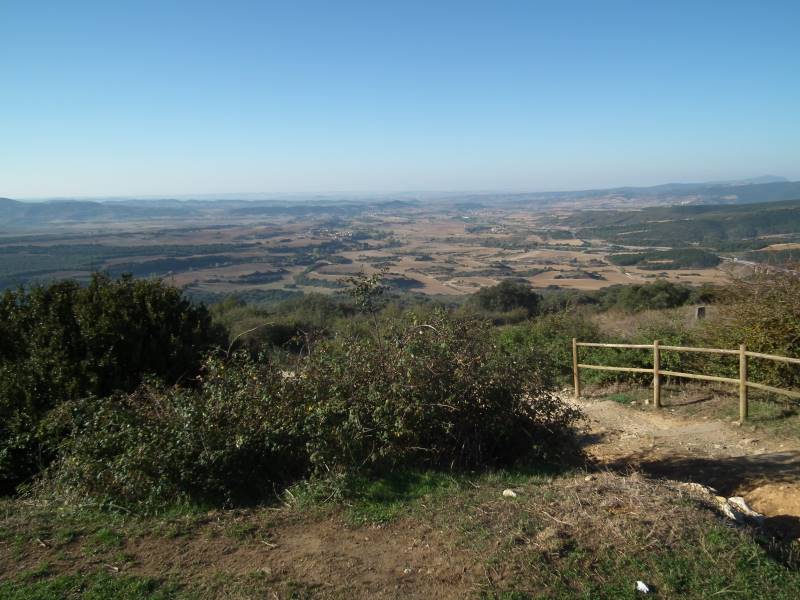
point(768, 188)
point(16, 214)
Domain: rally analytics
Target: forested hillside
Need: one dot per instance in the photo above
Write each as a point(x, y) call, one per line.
point(717, 227)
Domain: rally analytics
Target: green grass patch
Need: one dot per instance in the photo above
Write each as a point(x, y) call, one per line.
point(626, 398)
point(242, 530)
point(39, 571)
point(406, 492)
point(104, 540)
point(97, 586)
point(384, 499)
point(769, 414)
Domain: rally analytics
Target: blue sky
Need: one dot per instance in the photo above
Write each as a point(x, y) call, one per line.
point(171, 98)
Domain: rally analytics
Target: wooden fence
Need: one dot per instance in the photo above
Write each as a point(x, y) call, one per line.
point(743, 353)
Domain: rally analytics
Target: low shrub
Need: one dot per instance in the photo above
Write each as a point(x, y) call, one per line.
point(547, 342)
point(281, 328)
point(227, 441)
point(511, 317)
point(506, 296)
point(437, 392)
point(672, 332)
point(63, 341)
point(762, 312)
point(657, 295)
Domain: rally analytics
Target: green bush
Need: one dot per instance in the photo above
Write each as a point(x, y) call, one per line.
point(229, 440)
point(657, 295)
point(61, 341)
point(556, 300)
point(511, 317)
point(282, 328)
point(506, 296)
point(435, 393)
point(762, 312)
point(671, 332)
point(547, 341)
point(630, 298)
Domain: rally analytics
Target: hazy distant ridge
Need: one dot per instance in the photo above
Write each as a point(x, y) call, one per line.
point(17, 214)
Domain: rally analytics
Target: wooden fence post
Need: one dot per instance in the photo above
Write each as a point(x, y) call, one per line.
point(656, 375)
point(742, 384)
point(575, 376)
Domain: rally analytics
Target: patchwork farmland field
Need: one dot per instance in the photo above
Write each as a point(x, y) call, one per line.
point(433, 248)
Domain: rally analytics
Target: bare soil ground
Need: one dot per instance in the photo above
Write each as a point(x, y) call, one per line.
point(736, 460)
point(560, 537)
point(277, 552)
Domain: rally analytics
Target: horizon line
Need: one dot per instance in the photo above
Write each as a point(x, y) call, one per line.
point(264, 195)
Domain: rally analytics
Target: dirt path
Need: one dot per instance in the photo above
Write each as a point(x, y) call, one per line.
point(404, 558)
point(731, 459)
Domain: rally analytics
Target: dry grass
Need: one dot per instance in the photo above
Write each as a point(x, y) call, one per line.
point(621, 324)
point(594, 539)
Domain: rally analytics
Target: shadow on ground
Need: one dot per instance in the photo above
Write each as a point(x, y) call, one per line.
point(729, 475)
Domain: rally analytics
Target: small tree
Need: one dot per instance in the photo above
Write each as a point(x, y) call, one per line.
point(368, 291)
point(62, 341)
point(506, 296)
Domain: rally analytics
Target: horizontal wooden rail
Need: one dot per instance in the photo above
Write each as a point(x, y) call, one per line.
point(597, 345)
point(774, 390)
point(707, 350)
point(607, 368)
point(786, 359)
point(700, 376)
point(657, 372)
